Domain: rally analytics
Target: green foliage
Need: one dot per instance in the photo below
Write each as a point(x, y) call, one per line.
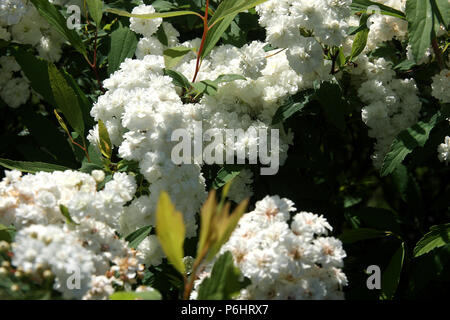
point(361, 6)
point(135, 238)
point(6, 233)
point(438, 236)
point(96, 10)
point(36, 71)
point(151, 15)
point(66, 99)
point(56, 19)
point(171, 231)
point(226, 174)
point(406, 142)
point(173, 56)
point(224, 282)
point(351, 236)
point(293, 105)
point(359, 44)
point(391, 276)
point(123, 45)
point(30, 167)
point(128, 295)
point(65, 212)
point(178, 79)
point(423, 24)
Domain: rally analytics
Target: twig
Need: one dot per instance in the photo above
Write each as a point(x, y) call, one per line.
point(438, 54)
point(205, 33)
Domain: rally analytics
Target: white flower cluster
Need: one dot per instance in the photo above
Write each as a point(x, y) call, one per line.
point(296, 261)
point(142, 108)
point(86, 247)
point(20, 22)
point(15, 89)
point(303, 26)
point(444, 151)
point(383, 27)
point(441, 86)
point(392, 104)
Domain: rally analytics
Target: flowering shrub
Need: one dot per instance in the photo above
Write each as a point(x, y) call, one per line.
point(131, 130)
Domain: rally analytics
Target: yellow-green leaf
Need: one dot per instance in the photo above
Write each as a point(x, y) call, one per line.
point(105, 142)
point(206, 215)
point(151, 15)
point(171, 231)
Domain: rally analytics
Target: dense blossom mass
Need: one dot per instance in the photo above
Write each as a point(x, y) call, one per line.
point(282, 260)
point(88, 245)
point(70, 222)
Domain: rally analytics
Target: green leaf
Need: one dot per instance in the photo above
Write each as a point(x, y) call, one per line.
point(405, 65)
point(238, 7)
point(96, 10)
point(333, 104)
point(362, 25)
point(178, 79)
point(151, 15)
point(442, 11)
point(128, 295)
point(223, 78)
point(35, 69)
point(290, 107)
point(83, 101)
point(391, 276)
point(223, 284)
point(355, 235)
point(227, 173)
point(359, 44)
point(162, 36)
point(105, 142)
point(161, 5)
point(57, 20)
point(205, 87)
point(438, 236)
point(123, 45)
point(65, 212)
point(422, 26)
point(409, 139)
point(135, 238)
point(31, 167)
point(173, 56)
point(171, 230)
point(361, 6)
point(66, 99)
point(222, 18)
point(6, 233)
point(378, 218)
point(428, 269)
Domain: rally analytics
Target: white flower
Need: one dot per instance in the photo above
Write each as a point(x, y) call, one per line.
point(441, 86)
point(151, 250)
point(444, 151)
point(284, 262)
point(16, 92)
point(146, 27)
point(148, 46)
point(98, 175)
point(38, 247)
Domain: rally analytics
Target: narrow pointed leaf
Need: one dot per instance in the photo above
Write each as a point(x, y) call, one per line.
point(171, 231)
